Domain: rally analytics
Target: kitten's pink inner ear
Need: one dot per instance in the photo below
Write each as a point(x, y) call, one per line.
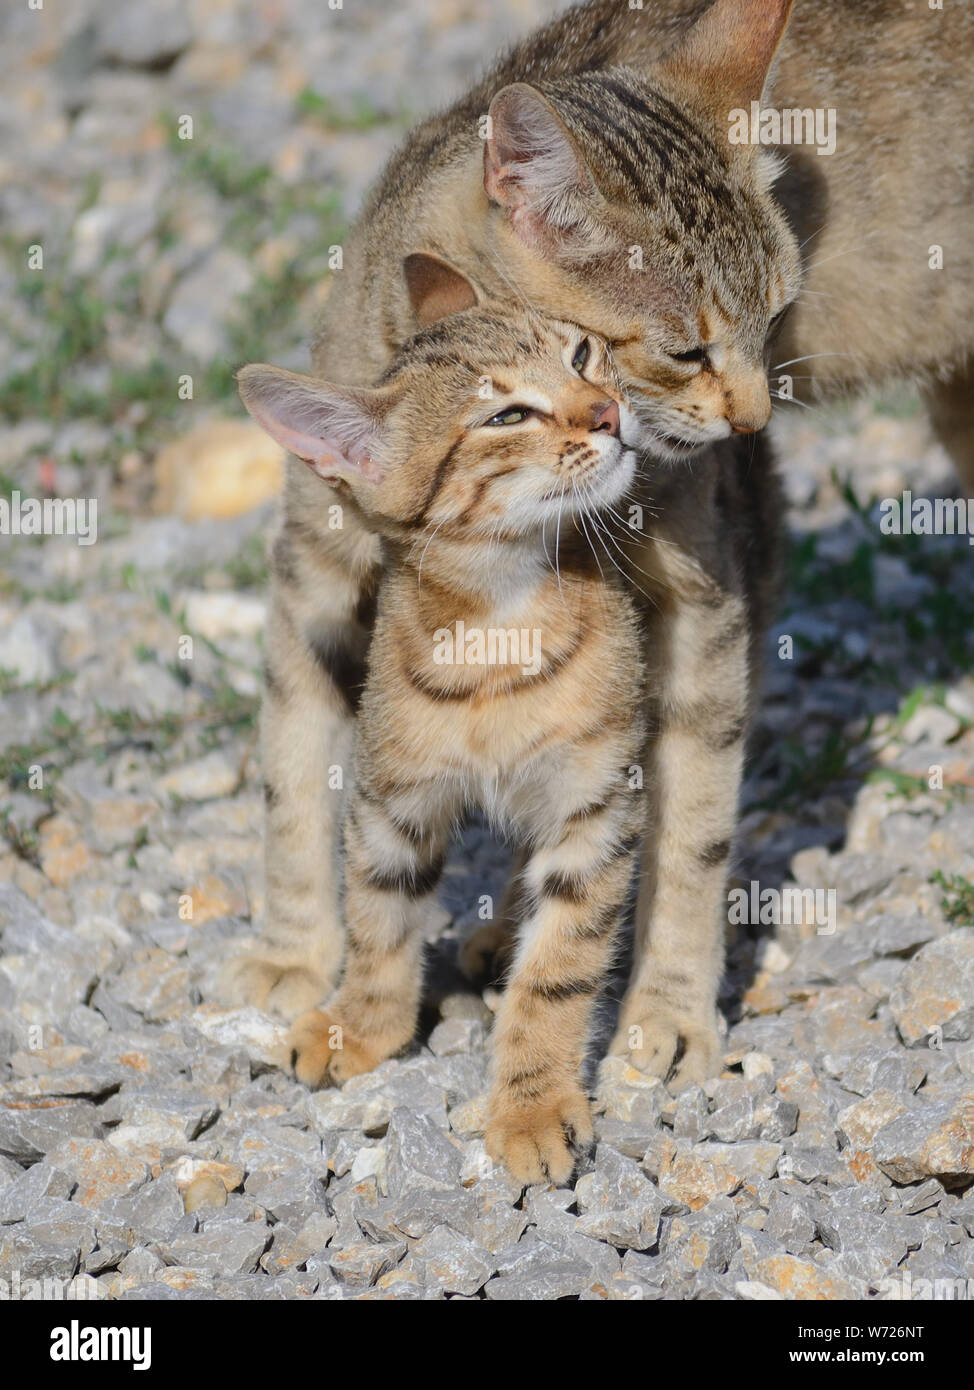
point(323, 458)
point(727, 55)
point(436, 290)
point(333, 428)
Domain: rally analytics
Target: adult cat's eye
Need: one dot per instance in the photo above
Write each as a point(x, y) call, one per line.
point(582, 354)
point(514, 415)
point(694, 355)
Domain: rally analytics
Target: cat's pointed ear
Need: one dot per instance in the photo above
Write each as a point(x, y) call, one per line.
point(335, 429)
point(532, 166)
point(436, 288)
point(724, 61)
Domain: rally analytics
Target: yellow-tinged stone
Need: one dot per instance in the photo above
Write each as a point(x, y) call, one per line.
point(187, 1170)
point(219, 470)
point(118, 819)
point(205, 1190)
point(101, 1172)
point(46, 1059)
point(212, 898)
point(692, 1180)
point(469, 1120)
point(63, 855)
point(861, 1122)
point(801, 1280)
point(765, 996)
point(63, 863)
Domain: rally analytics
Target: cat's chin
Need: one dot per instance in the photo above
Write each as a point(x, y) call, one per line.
point(612, 482)
point(612, 479)
point(668, 448)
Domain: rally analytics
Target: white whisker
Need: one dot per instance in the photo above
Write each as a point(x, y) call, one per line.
point(810, 358)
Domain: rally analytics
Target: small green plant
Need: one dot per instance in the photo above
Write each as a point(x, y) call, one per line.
point(21, 839)
point(361, 115)
point(957, 904)
point(899, 783)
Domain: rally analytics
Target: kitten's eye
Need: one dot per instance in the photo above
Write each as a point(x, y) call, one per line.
point(582, 354)
point(514, 415)
point(694, 355)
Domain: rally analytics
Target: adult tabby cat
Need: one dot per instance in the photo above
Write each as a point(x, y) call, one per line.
point(608, 132)
point(504, 673)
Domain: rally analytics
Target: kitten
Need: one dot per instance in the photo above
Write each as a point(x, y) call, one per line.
point(504, 674)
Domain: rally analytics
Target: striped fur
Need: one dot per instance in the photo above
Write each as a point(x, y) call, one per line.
point(722, 256)
point(547, 748)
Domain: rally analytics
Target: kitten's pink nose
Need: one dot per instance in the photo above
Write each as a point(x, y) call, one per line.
point(605, 416)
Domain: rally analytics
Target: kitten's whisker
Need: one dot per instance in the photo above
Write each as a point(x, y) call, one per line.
point(627, 532)
point(630, 582)
point(419, 571)
point(581, 516)
point(627, 536)
point(544, 545)
point(656, 540)
point(604, 535)
point(561, 500)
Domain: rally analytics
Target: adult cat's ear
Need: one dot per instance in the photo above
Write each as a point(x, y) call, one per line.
point(436, 288)
point(335, 429)
point(723, 62)
point(533, 167)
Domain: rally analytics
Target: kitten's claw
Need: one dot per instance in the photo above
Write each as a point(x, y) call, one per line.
point(537, 1144)
point(653, 1045)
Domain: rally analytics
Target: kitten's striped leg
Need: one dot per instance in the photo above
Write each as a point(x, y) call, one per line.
point(391, 870)
point(693, 782)
point(576, 891)
point(317, 636)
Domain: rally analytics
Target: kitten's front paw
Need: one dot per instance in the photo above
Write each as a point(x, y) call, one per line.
point(652, 1042)
point(324, 1052)
point(538, 1143)
point(276, 986)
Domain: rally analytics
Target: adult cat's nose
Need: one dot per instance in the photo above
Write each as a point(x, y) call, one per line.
point(605, 416)
point(747, 401)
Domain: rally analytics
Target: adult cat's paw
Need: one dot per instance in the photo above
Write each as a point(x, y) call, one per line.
point(324, 1052)
point(652, 1043)
point(276, 986)
point(539, 1142)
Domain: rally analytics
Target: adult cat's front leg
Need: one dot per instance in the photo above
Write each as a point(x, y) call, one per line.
point(392, 866)
point(951, 406)
point(699, 654)
point(317, 635)
point(576, 888)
